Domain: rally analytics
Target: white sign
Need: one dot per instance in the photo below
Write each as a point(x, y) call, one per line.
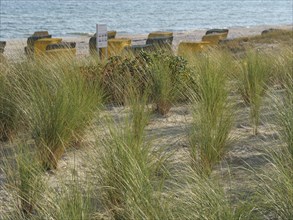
point(102, 36)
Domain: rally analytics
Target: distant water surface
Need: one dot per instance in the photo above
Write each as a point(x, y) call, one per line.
point(20, 18)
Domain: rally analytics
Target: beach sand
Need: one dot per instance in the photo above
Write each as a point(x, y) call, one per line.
point(15, 47)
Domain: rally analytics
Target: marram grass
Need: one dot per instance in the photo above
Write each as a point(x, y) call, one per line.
point(212, 112)
point(24, 180)
point(195, 196)
point(253, 79)
point(128, 166)
point(276, 187)
point(8, 109)
point(125, 178)
point(56, 103)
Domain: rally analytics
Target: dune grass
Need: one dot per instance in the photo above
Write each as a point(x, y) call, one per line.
point(125, 175)
point(73, 198)
point(212, 112)
point(56, 103)
point(285, 112)
point(8, 109)
point(163, 87)
point(36, 195)
point(276, 188)
point(201, 197)
point(282, 67)
point(128, 165)
point(24, 180)
point(253, 79)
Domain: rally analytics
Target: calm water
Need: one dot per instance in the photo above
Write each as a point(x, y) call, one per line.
point(20, 18)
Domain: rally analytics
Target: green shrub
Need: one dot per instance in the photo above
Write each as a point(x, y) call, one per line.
point(142, 70)
point(119, 72)
point(167, 75)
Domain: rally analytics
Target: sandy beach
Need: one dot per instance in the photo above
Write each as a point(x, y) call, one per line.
point(16, 46)
point(168, 133)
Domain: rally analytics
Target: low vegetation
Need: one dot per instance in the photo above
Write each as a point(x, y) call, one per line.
point(79, 138)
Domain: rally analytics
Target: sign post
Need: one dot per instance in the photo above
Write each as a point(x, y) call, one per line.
point(102, 39)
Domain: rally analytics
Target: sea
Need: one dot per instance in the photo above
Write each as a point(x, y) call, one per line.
point(20, 18)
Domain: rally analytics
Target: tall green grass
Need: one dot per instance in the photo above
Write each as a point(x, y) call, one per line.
point(8, 109)
point(128, 166)
point(139, 111)
point(275, 190)
point(199, 197)
point(285, 112)
point(253, 79)
point(24, 181)
point(72, 198)
point(276, 186)
point(282, 64)
point(212, 112)
point(39, 195)
point(162, 87)
point(56, 103)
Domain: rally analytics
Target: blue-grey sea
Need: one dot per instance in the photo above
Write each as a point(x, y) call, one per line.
point(20, 18)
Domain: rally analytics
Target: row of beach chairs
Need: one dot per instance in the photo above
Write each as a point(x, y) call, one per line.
point(42, 43)
point(159, 40)
point(119, 45)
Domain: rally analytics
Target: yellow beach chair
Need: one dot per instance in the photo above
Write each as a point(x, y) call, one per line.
point(215, 37)
point(2, 46)
point(61, 50)
point(41, 45)
point(162, 34)
point(160, 39)
point(117, 45)
point(217, 31)
point(29, 49)
point(190, 48)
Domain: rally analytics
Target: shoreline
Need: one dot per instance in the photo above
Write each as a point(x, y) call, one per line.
point(15, 47)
